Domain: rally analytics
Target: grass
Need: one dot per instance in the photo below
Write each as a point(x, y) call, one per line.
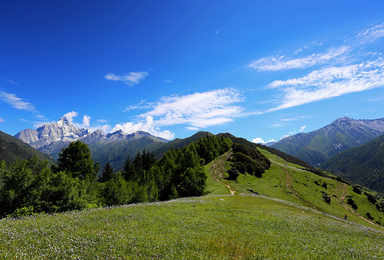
point(283, 222)
point(214, 227)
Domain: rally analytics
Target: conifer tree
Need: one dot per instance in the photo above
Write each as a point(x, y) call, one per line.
point(107, 174)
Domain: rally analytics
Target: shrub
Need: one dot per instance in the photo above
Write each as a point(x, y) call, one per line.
point(233, 174)
point(326, 198)
point(356, 190)
point(369, 215)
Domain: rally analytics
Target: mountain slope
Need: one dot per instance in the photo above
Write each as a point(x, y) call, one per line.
point(12, 149)
point(318, 146)
point(363, 164)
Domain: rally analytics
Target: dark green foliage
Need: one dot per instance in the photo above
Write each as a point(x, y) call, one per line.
point(31, 183)
point(315, 182)
point(324, 185)
point(369, 215)
point(356, 190)
point(249, 160)
point(370, 198)
point(76, 161)
point(107, 173)
point(326, 198)
point(362, 164)
point(31, 186)
point(233, 174)
point(352, 203)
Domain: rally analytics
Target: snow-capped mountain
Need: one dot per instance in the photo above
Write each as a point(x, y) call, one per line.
point(61, 131)
point(53, 137)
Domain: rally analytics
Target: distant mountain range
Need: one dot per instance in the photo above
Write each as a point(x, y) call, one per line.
point(363, 164)
point(320, 145)
point(114, 147)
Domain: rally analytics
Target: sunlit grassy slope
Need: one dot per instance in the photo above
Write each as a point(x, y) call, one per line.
point(281, 223)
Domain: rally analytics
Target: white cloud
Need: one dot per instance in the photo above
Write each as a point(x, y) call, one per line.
point(168, 81)
point(198, 110)
point(283, 63)
point(148, 126)
point(17, 102)
point(70, 115)
point(138, 106)
point(259, 140)
point(370, 34)
point(1, 120)
point(330, 82)
point(277, 125)
point(86, 120)
point(102, 121)
point(129, 79)
point(302, 128)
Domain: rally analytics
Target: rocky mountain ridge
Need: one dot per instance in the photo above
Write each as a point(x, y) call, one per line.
point(51, 138)
point(318, 146)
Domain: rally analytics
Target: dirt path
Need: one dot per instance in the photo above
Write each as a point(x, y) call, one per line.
point(341, 192)
point(217, 169)
point(289, 182)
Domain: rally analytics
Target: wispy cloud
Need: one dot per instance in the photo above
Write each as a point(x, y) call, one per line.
point(370, 34)
point(168, 81)
point(330, 82)
point(340, 70)
point(141, 105)
point(285, 63)
point(129, 79)
point(1, 120)
point(198, 110)
point(12, 82)
point(302, 128)
point(16, 102)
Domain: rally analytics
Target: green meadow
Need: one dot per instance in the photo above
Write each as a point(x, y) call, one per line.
point(288, 219)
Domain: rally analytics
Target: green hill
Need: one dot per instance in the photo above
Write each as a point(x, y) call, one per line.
point(287, 213)
point(12, 149)
point(363, 164)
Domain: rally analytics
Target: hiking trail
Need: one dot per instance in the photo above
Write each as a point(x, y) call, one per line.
point(217, 169)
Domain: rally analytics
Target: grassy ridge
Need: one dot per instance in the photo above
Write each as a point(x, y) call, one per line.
point(214, 227)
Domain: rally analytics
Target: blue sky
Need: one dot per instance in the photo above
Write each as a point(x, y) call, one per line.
point(260, 70)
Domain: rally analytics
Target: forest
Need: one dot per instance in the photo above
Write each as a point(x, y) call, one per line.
point(33, 186)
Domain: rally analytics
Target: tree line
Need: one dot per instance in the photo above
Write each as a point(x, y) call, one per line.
point(33, 186)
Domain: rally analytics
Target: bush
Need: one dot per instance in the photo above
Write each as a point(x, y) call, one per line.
point(370, 198)
point(326, 198)
point(233, 174)
point(352, 203)
point(369, 215)
point(356, 190)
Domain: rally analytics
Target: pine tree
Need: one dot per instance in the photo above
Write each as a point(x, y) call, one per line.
point(107, 174)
